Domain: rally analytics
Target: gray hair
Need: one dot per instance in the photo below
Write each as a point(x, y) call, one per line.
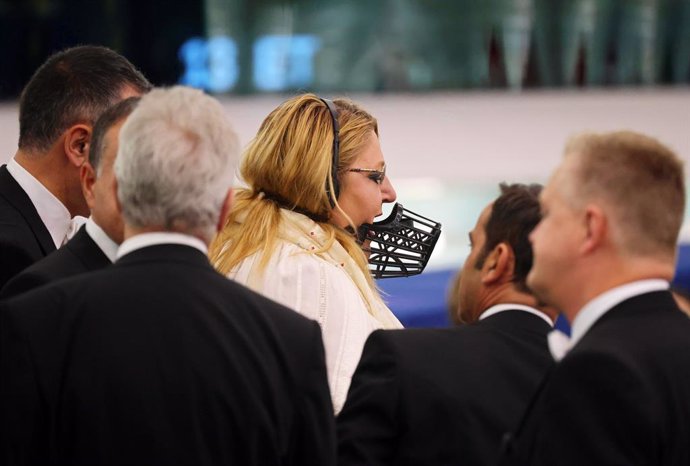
point(175, 163)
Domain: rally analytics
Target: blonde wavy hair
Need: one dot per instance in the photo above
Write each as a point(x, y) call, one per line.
point(290, 160)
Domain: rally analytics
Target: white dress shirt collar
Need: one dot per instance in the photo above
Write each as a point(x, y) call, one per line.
point(144, 240)
point(102, 240)
point(53, 213)
point(515, 307)
point(593, 310)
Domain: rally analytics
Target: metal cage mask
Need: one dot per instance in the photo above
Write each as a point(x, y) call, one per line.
point(400, 245)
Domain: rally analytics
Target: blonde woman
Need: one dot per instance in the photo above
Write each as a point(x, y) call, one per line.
point(315, 173)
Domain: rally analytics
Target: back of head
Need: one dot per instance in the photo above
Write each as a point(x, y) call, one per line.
point(109, 118)
point(73, 86)
point(639, 181)
point(175, 162)
point(514, 214)
point(288, 164)
point(500, 258)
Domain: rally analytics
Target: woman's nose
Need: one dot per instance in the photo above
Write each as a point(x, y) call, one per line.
point(388, 193)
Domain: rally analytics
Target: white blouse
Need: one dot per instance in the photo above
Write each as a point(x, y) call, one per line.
point(321, 291)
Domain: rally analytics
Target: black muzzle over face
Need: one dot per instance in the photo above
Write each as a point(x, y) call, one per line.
point(400, 245)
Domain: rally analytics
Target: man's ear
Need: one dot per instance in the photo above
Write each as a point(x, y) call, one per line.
point(77, 144)
point(498, 265)
point(114, 194)
point(87, 176)
point(225, 211)
point(596, 229)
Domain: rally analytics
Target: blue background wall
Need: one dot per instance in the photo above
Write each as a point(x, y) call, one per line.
point(420, 301)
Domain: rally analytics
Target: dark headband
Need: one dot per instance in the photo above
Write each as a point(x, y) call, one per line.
point(335, 152)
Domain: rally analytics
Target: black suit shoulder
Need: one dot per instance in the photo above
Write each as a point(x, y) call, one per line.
point(442, 396)
point(16, 253)
point(641, 329)
point(499, 332)
point(163, 330)
point(177, 285)
point(502, 340)
point(81, 254)
point(625, 383)
point(24, 239)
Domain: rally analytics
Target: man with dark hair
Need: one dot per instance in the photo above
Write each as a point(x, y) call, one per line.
point(446, 396)
point(604, 253)
point(95, 245)
point(40, 190)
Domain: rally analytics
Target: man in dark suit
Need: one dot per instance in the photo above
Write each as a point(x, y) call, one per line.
point(446, 396)
point(40, 192)
point(159, 359)
point(95, 244)
point(604, 254)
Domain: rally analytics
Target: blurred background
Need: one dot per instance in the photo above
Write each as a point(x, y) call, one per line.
point(468, 93)
point(245, 47)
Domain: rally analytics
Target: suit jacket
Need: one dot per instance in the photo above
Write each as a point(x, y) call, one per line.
point(442, 396)
point(620, 396)
point(80, 254)
point(24, 238)
point(160, 360)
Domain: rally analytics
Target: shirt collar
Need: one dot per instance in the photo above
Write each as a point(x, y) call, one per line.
point(144, 240)
point(52, 212)
point(102, 240)
point(515, 307)
point(597, 307)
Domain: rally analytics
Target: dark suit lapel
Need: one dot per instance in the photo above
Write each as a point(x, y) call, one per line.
point(87, 251)
point(649, 303)
point(17, 198)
